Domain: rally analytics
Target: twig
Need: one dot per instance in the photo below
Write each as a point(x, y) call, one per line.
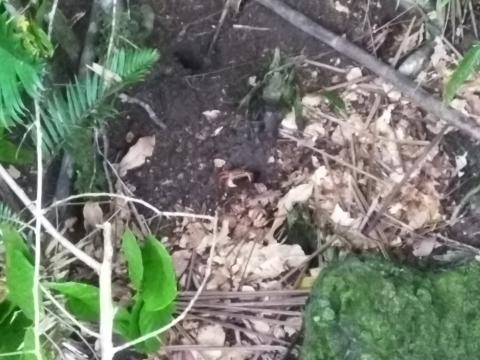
point(51, 17)
point(114, 28)
point(106, 305)
point(418, 95)
point(247, 348)
point(124, 98)
point(461, 205)
point(333, 157)
point(190, 305)
point(398, 186)
point(38, 235)
point(135, 200)
point(51, 230)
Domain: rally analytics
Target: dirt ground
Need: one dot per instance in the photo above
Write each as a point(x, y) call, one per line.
point(187, 82)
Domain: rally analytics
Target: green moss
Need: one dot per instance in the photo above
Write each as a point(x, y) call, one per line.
point(372, 309)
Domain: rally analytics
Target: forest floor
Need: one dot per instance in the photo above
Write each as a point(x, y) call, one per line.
point(291, 191)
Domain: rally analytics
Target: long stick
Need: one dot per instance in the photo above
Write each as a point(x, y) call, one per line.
point(418, 95)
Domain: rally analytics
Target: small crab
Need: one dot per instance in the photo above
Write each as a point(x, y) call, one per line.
point(230, 176)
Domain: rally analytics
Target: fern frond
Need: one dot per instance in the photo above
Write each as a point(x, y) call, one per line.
point(132, 65)
point(18, 70)
point(7, 215)
point(87, 98)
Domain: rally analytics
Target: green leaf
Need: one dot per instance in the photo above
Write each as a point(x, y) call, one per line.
point(335, 102)
point(6, 309)
point(150, 321)
point(159, 287)
point(121, 323)
point(19, 271)
point(82, 300)
point(87, 100)
point(19, 71)
point(12, 331)
point(12, 154)
point(29, 344)
point(133, 256)
point(467, 66)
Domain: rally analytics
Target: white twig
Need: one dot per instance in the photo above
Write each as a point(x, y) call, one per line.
point(124, 98)
point(51, 230)
point(134, 200)
point(190, 305)
point(38, 236)
point(106, 305)
point(114, 25)
point(51, 17)
point(16, 353)
point(68, 315)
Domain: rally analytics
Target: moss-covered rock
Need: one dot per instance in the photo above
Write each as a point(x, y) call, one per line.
point(373, 309)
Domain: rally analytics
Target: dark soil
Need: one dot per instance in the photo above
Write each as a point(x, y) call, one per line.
point(186, 83)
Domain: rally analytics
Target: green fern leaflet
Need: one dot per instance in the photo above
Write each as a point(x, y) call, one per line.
point(85, 101)
point(19, 70)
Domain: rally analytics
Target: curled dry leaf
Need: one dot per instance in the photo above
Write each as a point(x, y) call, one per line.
point(137, 154)
point(92, 215)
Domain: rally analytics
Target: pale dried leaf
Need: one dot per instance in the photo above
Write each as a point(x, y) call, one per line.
point(271, 261)
point(92, 215)
point(424, 247)
point(137, 154)
point(213, 335)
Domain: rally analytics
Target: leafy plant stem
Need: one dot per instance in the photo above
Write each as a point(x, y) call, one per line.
point(38, 235)
point(190, 305)
point(106, 305)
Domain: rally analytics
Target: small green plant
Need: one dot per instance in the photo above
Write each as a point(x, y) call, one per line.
point(67, 116)
point(464, 70)
point(151, 273)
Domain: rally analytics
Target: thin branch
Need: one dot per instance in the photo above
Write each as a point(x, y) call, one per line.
point(190, 305)
point(38, 236)
point(16, 353)
point(106, 305)
point(134, 200)
point(418, 95)
point(246, 348)
point(114, 28)
point(51, 17)
point(418, 164)
point(51, 230)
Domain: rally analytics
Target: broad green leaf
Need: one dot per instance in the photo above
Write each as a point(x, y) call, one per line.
point(29, 345)
point(133, 256)
point(159, 287)
point(134, 330)
point(19, 271)
point(121, 323)
point(12, 154)
point(150, 321)
point(469, 64)
point(82, 300)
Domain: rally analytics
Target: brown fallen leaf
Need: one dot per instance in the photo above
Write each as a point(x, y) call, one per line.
point(137, 154)
point(92, 215)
